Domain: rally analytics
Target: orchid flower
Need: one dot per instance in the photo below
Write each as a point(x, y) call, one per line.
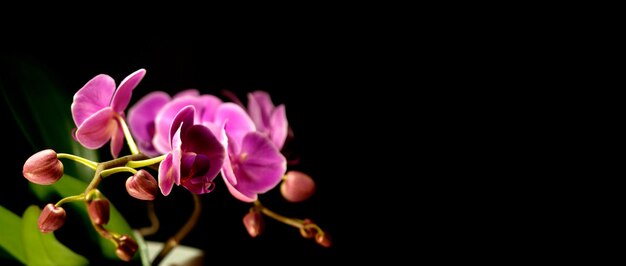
point(195, 155)
point(269, 120)
point(254, 165)
point(98, 111)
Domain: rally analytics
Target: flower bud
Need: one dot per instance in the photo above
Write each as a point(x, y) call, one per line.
point(98, 210)
point(323, 239)
point(142, 186)
point(43, 168)
point(297, 186)
point(51, 218)
point(253, 222)
point(126, 248)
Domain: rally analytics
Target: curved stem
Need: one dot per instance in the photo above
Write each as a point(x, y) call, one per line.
point(154, 222)
point(129, 138)
point(110, 164)
point(79, 159)
point(175, 239)
point(297, 223)
point(78, 197)
point(114, 170)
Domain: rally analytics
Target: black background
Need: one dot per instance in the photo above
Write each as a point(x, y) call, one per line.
point(313, 78)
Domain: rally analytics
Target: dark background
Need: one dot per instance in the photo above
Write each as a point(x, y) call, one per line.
point(312, 78)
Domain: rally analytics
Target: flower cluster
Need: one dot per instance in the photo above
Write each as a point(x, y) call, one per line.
point(188, 139)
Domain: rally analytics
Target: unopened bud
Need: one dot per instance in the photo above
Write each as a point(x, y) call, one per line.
point(142, 185)
point(51, 218)
point(323, 239)
point(99, 210)
point(297, 186)
point(126, 248)
point(43, 168)
point(253, 221)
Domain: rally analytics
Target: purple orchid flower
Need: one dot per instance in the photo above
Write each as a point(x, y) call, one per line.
point(195, 157)
point(142, 116)
point(254, 165)
point(269, 120)
point(98, 107)
point(205, 106)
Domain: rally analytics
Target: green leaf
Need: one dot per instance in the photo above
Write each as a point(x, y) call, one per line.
point(69, 186)
point(11, 239)
point(45, 249)
point(43, 114)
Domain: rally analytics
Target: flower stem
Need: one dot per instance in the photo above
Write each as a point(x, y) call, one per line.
point(79, 159)
point(114, 170)
point(129, 138)
point(144, 163)
point(175, 239)
point(97, 177)
point(78, 197)
point(297, 223)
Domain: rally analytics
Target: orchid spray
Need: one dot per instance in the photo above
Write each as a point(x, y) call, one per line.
point(187, 140)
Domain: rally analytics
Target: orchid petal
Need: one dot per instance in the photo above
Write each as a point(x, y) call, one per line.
point(263, 163)
point(92, 97)
point(141, 118)
point(164, 119)
point(237, 121)
point(279, 126)
point(167, 175)
point(117, 140)
point(122, 95)
point(96, 130)
point(200, 140)
point(260, 107)
point(243, 194)
point(187, 92)
point(209, 105)
point(182, 121)
point(177, 153)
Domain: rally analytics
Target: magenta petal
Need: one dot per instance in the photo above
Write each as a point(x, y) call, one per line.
point(91, 98)
point(264, 165)
point(167, 175)
point(209, 105)
point(182, 121)
point(200, 140)
point(244, 195)
point(121, 98)
point(260, 107)
point(141, 118)
point(177, 152)
point(164, 119)
point(236, 120)
point(279, 126)
point(187, 92)
point(117, 141)
point(96, 130)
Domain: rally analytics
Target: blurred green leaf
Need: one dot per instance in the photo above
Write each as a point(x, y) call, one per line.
point(11, 239)
point(45, 249)
point(42, 110)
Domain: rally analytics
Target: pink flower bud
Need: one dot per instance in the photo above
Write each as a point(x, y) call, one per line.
point(323, 239)
point(43, 168)
point(253, 222)
point(308, 229)
point(297, 186)
point(126, 248)
point(142, 186)
point(98, 210)
point(51, 218)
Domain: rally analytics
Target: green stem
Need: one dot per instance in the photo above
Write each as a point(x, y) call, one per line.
point(129, 138)
point(110, 164)
point(144, 163)
point(297, 223)
point(114, 170)
point(79, 159)
point(78, 197)
point(175, 239)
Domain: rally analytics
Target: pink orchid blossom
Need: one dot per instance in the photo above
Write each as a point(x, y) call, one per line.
point(195, 157)
point(98, 108)
point(269, 119)
point(254, 164)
